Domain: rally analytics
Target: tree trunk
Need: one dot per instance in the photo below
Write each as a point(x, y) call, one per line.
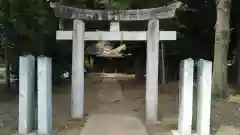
point(222, 39)
point(138, 69)
point(237, 57)
point(7, 71)
point(162, 66)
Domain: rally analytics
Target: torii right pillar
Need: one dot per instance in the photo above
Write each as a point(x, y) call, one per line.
point(151, 99)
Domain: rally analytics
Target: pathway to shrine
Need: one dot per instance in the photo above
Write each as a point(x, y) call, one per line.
point(110, 93)
point(113, 116)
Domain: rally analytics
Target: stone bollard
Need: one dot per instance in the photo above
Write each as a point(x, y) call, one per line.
point(185, 98)
point(44, 91)
point(204, 97)
point(26, 94)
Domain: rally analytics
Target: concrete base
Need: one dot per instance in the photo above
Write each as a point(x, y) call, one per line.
point(33, 133)
point(100, 124)
point(175, 132)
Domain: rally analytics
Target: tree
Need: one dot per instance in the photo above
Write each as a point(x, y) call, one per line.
point(222, 40)
point(26, 26)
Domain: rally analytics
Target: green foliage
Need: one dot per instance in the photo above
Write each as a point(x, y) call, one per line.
point(115, 4)
point(88, 62)
point(29, 21)
point(29, 25)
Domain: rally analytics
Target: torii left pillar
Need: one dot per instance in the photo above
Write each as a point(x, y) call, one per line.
point(77, 89)
point(152, 72)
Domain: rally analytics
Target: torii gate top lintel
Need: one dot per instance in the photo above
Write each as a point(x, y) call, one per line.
point(164, 12)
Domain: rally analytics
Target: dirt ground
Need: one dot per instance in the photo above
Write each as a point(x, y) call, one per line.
point(224, 112)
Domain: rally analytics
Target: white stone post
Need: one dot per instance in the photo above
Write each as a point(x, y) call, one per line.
point(185, 98)
point(44, 72)
point(152, 72)
point(77, 103)
point(204, 97)
point(26, 94)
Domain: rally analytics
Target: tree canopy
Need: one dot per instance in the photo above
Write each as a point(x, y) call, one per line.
point(29, 26)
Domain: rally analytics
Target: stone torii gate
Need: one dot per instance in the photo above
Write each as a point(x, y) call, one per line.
point(78, 36)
